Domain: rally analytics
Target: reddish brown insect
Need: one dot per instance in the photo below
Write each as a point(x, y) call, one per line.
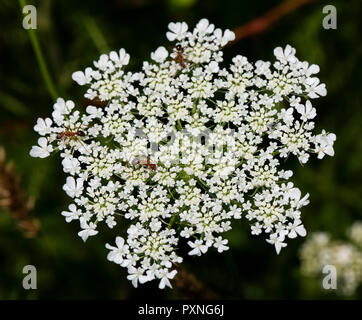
point(180, 56)
point(145, 163)
point(71, 134)
point(148, 163)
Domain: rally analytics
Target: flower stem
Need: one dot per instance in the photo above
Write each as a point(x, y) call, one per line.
point(96, 35)
point(40, 58)
point(172, 221)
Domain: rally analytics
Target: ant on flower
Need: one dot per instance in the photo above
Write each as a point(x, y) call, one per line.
point(144, 163)
point(72, 135)
point(180, 59)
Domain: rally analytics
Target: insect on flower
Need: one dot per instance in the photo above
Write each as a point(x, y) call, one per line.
point(144, 163)
point(73, 135)
point(148, 163)
point(273, 125)
point(180, 59)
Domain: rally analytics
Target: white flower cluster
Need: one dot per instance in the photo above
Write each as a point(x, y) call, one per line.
point(346, 256)
point(184, 147)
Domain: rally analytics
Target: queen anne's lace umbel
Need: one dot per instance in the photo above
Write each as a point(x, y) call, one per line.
point(184, 147)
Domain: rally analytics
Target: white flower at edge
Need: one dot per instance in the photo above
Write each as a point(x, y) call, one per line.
point(325, 144)
point(159, 55)
point(197, 247)
point(227, 37)
point(110, 222)
point(313, 69)
point(286, 55)
point(165, 277)
point(43, 150)
point(177, 30)
point(136, 275)
point(277, 241)
point(73, 187)
point(117, 253)
point(62, 108)
point(72, 214)
point(296, 229)
point(83, 78)
point(323, 149)
point(204, 27)
point(223, 39)
point(120, 59)
point(43, 126)
point(326, 138)
point(103, 63)
point(220, 244)
point(256, 229)
point(303, 157)
point(299, 202)
point(88, 229)
point(316, 89)
point(307, 111)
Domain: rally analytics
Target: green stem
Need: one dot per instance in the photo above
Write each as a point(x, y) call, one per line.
point(96, 35)
point(172, 221)
point(40, 58)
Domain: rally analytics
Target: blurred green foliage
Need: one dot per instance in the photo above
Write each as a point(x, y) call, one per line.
point(72, 34)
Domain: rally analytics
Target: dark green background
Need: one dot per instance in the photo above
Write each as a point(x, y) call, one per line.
point(68, 34)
